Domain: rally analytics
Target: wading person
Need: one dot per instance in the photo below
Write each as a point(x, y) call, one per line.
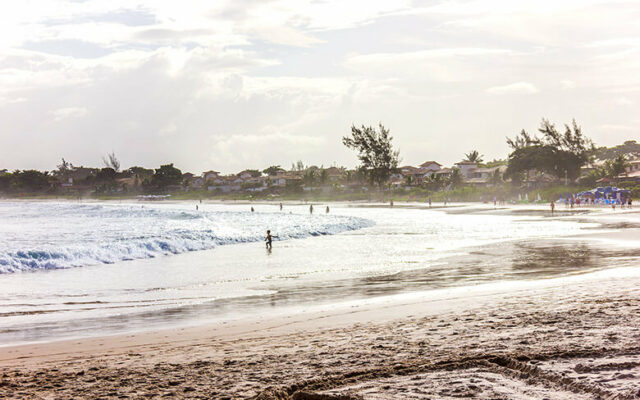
point(269, 239)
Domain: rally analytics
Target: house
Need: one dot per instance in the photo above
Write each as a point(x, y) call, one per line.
point(412, 174)
point(466, 168)
point(632, 172)
point(443, 173)
point(482, 176)
point(335, 174)
point(210, 175)
point(246, 174)
point(430, 167)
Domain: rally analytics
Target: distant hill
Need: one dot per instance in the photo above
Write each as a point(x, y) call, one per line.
point(630, 147)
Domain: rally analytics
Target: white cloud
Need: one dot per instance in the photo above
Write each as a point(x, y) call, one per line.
point(68, 112)
point(513, 88)
point(270, 82)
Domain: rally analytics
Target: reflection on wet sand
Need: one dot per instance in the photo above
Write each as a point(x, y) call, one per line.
point(506, 261)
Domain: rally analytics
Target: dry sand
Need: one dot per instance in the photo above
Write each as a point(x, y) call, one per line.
point(565, 338)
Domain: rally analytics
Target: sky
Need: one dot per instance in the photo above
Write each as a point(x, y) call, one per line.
point(229, 85)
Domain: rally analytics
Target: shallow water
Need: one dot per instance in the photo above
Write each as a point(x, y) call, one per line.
point(213, 264)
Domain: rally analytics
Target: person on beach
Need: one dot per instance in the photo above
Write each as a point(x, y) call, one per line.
point(429, 202)
point(280, 206)
point(269, 239)
point(553, 207)
point(252, 210)
point(196, 207)
point(391, 203)
point(311, 209)
point(327, 210)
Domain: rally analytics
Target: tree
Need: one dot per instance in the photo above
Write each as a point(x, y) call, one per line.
point(63, 168)
point(106, 175)
point(111, 161)
point(254, 173)
point(455, 179)
point(616, 167)
point(474, 156)
point(496, 177)
point(323, 176)
point(31, 180)
point(559, 154)
point(375, 152)
point(309, 177)
point(273, 170)
point(165, 176)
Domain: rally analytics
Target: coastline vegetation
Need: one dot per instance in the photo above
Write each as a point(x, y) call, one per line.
point(538, 168)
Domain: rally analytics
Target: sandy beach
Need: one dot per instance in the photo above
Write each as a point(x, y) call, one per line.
point(555, 336)
point(567, 338)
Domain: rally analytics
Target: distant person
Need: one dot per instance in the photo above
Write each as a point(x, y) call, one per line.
point(629, 202)
point(391, 203)
point(445, 201)
point(269, 239)
point(429, 202)
point(196, 207)
point(553, 207)
point(280, 206)
point(252, 210)
point(311, 209)
point(327, 210)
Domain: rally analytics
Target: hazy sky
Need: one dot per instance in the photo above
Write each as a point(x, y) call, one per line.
point(248, 83)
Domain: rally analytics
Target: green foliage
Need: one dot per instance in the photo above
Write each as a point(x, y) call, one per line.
point(375, 152)
point(30, 180)
point(555, 153)
point(141, 172)
point(273, 170)
point(474, 156)
point(165, 176)
point(106, 175)
point(455, 179)
point(111, 161)
point(254, 173)
point(630, 147)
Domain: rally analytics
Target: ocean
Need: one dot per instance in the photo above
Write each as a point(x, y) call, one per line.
point(76, 269)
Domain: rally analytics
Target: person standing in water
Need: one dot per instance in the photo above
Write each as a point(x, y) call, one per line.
point(280, 206)
point(252, 210)
point(553, 207)
point(429, 202)
point(269, 239)
point(327, 211)
point(311, 209)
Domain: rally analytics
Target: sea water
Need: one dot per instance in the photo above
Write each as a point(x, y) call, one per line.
point(79, 269)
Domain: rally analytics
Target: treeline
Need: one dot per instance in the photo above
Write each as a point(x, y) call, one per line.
point(109, 179)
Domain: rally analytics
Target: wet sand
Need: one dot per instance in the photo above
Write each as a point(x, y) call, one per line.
point(564, 338)
point(568, 337)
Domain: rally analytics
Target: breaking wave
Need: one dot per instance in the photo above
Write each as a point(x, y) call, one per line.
point(43, 236)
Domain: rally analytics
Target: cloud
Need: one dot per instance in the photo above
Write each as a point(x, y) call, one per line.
point(514, 88)
point(68, 112)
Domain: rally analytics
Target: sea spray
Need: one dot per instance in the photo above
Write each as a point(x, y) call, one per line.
point(42, 236)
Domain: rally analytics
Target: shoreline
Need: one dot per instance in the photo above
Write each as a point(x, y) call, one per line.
point(425, 316)
point(573, 336)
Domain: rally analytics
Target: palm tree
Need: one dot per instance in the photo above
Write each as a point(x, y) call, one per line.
point(474, 156)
